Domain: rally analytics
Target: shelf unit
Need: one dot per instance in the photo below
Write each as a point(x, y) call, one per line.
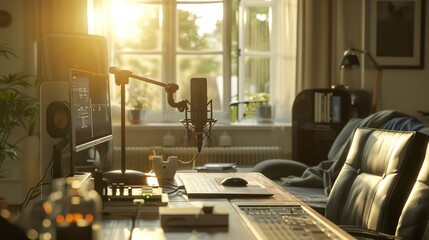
point(318, 115)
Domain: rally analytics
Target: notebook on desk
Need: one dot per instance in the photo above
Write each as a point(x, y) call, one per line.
point(206, 185)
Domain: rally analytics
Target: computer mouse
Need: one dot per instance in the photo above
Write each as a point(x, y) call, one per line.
point(234, 182)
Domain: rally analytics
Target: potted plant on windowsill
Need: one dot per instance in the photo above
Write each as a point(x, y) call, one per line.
point(260, 108)
point(139, 101)
point(18, 111)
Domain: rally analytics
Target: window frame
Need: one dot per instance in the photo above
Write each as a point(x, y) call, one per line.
point(243, 54)
point(231, 67)
point(169, 54)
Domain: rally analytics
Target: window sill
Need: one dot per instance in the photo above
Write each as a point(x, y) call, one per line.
point(217, 126)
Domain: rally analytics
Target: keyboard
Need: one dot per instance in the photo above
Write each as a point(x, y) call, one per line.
point(203, 184)
point(285, 221)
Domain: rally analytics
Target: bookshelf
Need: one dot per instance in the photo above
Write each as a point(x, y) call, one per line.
point(318, 115)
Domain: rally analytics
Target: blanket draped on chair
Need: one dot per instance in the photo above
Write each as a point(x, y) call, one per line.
point(326, 171)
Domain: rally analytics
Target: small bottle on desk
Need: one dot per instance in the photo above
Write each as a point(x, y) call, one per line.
point(73, 211)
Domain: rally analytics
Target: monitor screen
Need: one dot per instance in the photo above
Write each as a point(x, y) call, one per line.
point(91, 122)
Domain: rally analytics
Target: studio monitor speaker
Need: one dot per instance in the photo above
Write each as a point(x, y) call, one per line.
point(54, 124)
point(58, 119)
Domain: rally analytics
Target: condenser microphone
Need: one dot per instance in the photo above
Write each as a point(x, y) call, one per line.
point(199, 109)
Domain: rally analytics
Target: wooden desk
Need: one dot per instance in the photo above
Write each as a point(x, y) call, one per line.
point(150, 228)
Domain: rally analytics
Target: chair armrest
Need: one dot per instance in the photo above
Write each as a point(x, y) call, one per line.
point(276, 168)
point(357, 231)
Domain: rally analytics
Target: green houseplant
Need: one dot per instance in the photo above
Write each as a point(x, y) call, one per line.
point(139, 101)
point(256, 100)
point(18, 110)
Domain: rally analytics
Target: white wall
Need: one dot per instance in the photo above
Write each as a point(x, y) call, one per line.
point(404, 90)
point(13, 35)
point(407, 90)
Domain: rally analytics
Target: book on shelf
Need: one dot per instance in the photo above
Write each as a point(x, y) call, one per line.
point(327, 107)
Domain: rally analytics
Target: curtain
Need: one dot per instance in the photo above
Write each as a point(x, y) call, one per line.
point(285, 45)
point(315, 44)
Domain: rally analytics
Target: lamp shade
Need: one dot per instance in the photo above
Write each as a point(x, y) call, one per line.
point(349, 60)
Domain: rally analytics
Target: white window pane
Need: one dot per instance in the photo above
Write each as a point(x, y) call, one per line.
point(200, 26)
point(198, 66)
point(142, 65)
point(257, 28)
point(139, 28)
point(256, 76)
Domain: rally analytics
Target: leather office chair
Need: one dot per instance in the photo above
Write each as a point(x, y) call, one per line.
point(414, 220)
point(379, 172)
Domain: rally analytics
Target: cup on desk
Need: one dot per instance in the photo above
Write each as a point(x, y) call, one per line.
point(165, 169)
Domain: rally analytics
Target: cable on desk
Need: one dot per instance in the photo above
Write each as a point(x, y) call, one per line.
point(134, 218)
point(29, 196)
point(167, 181)
point(190, 161)
point(133, 224)
point(175, 187)
point(176, 191)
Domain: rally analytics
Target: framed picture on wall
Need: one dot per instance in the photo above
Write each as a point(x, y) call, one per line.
point(396, 33)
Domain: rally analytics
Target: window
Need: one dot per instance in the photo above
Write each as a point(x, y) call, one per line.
point(255, 52)
point(234, 44)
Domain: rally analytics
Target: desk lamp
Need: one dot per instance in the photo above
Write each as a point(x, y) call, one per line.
point(351, 61)
point(127, 176)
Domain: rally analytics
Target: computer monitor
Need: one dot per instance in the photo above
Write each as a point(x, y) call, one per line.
point(85, 144)
point(91, 121)
point(63, 52)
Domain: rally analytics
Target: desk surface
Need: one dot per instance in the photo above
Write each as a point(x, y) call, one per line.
point(142, 228)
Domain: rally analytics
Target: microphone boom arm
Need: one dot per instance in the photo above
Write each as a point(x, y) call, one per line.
point(122, 78)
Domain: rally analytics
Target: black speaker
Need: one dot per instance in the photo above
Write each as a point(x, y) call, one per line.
point(55, 125)
point(58, 119)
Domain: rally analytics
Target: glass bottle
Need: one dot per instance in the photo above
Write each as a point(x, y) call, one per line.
point(74, 210)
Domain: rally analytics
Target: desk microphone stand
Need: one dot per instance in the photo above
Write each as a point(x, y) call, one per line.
point(128, 176)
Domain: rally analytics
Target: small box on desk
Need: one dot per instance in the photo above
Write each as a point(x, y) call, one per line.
point(217, 167)
point(193, 217)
